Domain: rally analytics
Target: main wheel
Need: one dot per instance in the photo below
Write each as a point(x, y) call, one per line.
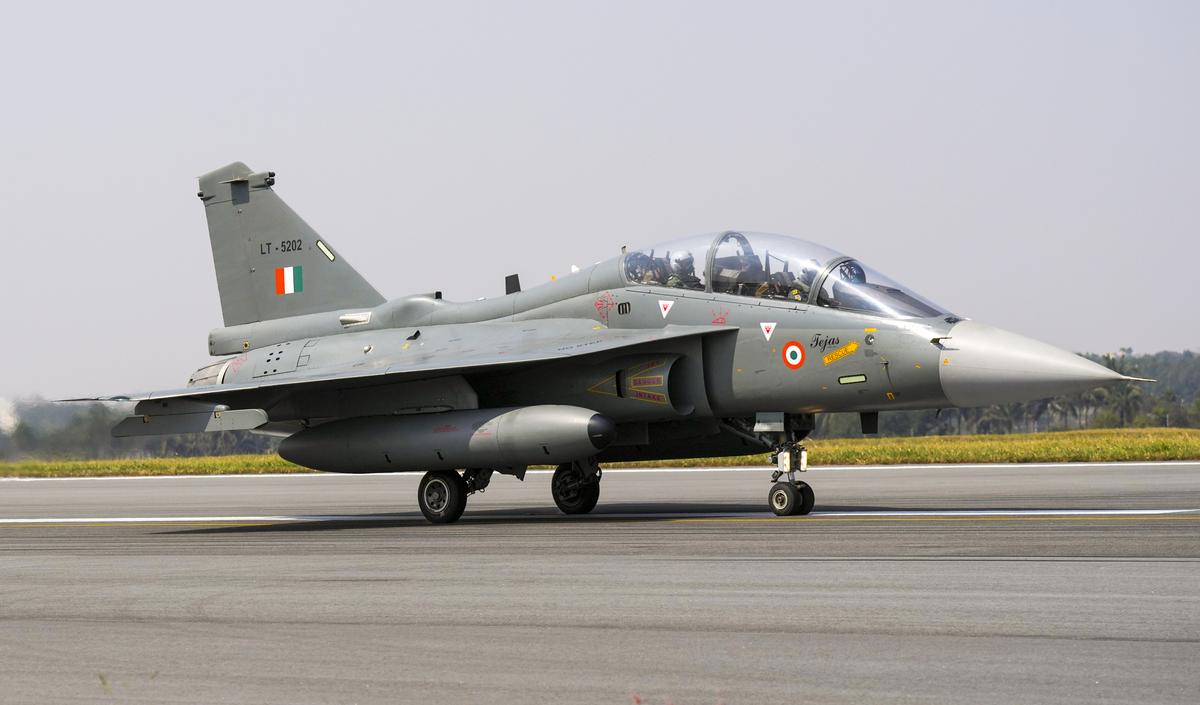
point(442, 496)
point(787, 499)
point(571, 493)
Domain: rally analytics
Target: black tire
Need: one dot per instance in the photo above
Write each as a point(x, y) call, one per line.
point(571, 494)
point(807, 498)
point(783, 499)
point(442, 496)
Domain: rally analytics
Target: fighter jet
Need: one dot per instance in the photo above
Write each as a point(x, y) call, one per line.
point(720, 344)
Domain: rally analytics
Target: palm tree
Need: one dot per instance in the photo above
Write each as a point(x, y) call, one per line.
point(1033, 411)
point(1124, 398)
point(1065, 408)
point(1091, 401)
point(970, 419)
point(1003, 418)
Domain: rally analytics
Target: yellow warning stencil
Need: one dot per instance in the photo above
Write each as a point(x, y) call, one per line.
point(844, 351)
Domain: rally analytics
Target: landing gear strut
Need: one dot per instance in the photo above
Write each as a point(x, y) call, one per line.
point(442, 496)
point(576, 486)
point(791, 496)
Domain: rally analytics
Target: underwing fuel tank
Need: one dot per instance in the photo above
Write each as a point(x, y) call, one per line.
point(476, 438)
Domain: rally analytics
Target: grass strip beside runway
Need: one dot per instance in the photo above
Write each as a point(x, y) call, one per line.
point(1117, 445)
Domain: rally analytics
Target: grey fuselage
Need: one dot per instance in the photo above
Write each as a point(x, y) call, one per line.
point(853, 361)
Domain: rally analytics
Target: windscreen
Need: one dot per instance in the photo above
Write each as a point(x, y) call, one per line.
point(853, 286)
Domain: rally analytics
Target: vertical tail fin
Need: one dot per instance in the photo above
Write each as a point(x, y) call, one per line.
point(269, 262)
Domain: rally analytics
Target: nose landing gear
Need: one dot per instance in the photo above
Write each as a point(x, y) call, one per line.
point(792, 496)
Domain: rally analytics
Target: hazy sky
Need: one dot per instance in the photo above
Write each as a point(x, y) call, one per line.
point(1032, 165)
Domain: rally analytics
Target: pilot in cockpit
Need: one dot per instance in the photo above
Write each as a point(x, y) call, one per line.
point(850, 291)
point(803, 283)
point(642, 269)
point(785, 285)
point(683, 271)
point(781, 285)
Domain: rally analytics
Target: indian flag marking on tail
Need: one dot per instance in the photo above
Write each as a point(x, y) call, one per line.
point(289, 280)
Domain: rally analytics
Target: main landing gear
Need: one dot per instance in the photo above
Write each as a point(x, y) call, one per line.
point(576, 486)
point(442, 494)
point(792, 496)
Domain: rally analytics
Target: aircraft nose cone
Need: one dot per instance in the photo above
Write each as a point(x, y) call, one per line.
point(982, 365)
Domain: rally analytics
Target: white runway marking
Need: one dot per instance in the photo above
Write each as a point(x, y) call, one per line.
point(760, 468)
point(680, 515)
point(1009, 513)
point(196, 520)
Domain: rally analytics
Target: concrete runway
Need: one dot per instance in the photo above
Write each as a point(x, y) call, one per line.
point(987, 584)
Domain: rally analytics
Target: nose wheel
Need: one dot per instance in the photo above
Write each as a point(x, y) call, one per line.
point(788, 499)
point(791, 496)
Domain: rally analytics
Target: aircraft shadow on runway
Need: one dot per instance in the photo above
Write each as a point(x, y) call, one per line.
point(630, 512)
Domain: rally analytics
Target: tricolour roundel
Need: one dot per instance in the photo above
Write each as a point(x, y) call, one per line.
point(793, 355)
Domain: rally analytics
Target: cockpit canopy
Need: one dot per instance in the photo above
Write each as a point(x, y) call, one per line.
point(770, 266)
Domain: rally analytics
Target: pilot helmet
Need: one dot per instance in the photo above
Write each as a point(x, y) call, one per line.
point(683, 263)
